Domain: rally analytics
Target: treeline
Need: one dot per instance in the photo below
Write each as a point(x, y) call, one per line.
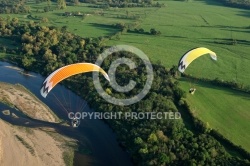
point(13, 6)
point(123, 3)
point(127, 5)
point(152, 31)
point(127, 28)
point(223, 83)
point(237, 3)
point(244, 4)
point(163, 141)
point(204, 127)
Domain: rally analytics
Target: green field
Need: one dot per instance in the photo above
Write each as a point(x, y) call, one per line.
point(183, 25)
point(225, 110)
point(93, 25)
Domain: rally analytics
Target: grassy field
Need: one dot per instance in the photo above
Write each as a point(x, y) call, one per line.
point(93, 25)
point(183, 25)
point(224, 109)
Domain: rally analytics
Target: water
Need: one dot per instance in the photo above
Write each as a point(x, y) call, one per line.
point(98, 142)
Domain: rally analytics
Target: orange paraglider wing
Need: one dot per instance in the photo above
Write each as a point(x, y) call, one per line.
point(67, 71)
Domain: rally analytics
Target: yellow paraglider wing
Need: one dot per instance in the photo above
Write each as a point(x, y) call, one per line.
point(67, 71)
point(191, 55)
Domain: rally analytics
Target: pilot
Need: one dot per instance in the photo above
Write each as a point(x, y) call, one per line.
point(192, 90)
point(75, 122)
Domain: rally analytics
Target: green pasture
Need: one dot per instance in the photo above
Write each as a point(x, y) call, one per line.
point(92, 25)
point(185, 25)
point(224, 109)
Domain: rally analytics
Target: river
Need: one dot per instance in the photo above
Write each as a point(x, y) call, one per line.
point(95, 137)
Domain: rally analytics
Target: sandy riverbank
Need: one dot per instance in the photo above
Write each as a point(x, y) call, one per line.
point(19, 97)
point(24, 146)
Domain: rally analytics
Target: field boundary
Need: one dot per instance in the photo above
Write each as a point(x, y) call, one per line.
point(202, 127)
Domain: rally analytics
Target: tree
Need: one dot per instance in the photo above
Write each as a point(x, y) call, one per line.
point(138, 141)
point(49, 56)
point(164, 158)
point(174, 71)
point(76, 2)
point(152, 138)
point(48, 3)
point(108, 91)
point(44, 20)
point(143, 150)
point(153, 31)
point(27, 61)
point(141, 30)
point(46, 9)
point(61, 4)
point(14, 21)
point(64, 28)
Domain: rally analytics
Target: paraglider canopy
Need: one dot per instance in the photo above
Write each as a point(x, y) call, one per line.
point(193, 54)
point(67, 71)
point(190, 56)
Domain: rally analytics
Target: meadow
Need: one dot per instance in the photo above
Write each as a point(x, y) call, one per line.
point(224, 109)
point(92, 25)
point(183, 26)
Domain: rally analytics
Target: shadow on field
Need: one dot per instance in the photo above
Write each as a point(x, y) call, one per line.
point(173, 36)
point(165, 25)
point(33, 17)
point(58, 14)
point(9, 42)
point(229, 91)
point(220, 26)
point(133, 42)
point(214, 2)
point(111, 30)
point(102, 26)
point(246, 30)
point(226, 41)
point(245, 13)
